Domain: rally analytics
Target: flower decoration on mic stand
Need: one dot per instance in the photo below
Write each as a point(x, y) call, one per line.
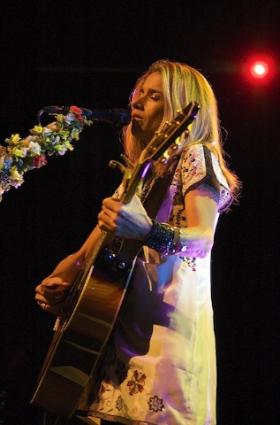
point(24, 154)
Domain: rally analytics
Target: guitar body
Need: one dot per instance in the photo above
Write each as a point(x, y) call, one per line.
point(79, 339)
point(95, 298)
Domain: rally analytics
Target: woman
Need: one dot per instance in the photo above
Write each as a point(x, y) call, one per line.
point(159, 366)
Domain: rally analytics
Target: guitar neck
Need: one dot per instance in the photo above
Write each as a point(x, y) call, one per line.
point(138, 175)
point(100, 243)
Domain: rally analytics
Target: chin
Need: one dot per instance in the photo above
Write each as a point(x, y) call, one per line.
point(143, 136)
point(135, 126)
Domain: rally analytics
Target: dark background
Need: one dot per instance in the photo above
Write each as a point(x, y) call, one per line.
point(89, 53)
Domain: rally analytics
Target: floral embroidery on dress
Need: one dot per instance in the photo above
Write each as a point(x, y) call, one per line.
point(190, 170)
point(225, 194)
point(191, 262)
point(177, 217)
point(103, 389)
point(193, 167)
point(120, 403)
point(136, 384)
point(155, 404)
point(144, 189)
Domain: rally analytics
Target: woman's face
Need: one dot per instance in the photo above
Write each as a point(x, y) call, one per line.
point(147, 107)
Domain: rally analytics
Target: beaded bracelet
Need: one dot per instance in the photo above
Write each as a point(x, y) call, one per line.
point(164, 238)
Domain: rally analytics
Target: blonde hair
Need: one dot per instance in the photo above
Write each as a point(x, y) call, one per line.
point(183, 84)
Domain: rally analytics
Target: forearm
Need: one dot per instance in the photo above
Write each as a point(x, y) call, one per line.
point(68, 268)
point(70, 265)
point(195, 242)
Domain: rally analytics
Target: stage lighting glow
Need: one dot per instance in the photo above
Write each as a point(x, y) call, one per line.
point(259, 69)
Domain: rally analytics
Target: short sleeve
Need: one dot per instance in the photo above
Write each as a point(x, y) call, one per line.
point(200, 166)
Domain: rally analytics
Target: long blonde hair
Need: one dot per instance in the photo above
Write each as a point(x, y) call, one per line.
point(183, 84)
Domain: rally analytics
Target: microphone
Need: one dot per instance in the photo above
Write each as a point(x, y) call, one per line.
point(114, 116)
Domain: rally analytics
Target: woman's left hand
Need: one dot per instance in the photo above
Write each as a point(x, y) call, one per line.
point(129, 221)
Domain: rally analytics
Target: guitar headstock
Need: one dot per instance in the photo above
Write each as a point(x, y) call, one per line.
point(166, 142)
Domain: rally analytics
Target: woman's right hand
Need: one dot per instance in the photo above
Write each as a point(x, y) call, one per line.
point(51, 293)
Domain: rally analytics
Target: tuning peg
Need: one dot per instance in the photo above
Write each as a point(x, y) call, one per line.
point(127, 161)
point(168, 123)
point(117, 164)
point(157, 133)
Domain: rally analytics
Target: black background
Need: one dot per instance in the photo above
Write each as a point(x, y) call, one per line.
point(90, 53)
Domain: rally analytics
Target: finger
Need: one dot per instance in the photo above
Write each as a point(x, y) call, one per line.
point(49, 282)
point(108, 227)
point(39, 289)
point(55, 289)
point(50, 295)
point(52, 284)
point(112, 204)
point(56, 298)
point(107, 220)
point(107, 215)
point(54, 281)
point(42, 302)
point(50, 309)
point(49, 303)
point(43, 306)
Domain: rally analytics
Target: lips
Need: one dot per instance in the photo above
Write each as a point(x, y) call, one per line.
point(136, 117)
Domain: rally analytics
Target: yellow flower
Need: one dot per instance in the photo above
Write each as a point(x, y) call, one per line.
point(18, 152)
point(15, 138)
point(60, 117)
point(15, 175)
point(75, 133)
point(37, 129)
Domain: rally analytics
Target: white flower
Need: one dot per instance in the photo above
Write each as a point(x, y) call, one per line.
point(35, 148)
point(69, 118)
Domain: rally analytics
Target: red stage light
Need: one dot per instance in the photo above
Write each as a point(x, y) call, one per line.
point(259, 68)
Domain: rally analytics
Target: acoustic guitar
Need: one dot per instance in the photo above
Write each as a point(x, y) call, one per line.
point(92, 304)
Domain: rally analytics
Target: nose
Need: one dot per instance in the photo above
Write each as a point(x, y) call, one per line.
point(137, 104)
point(138, 100)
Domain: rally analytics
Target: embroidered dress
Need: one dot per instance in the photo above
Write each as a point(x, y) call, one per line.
point(160, 364)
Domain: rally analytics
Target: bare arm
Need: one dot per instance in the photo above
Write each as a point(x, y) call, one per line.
point(51, 292)
point(202, 215)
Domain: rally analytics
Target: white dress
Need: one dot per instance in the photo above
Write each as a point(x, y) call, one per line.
point(160, 366)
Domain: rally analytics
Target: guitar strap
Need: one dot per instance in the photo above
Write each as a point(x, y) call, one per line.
point(153, 200)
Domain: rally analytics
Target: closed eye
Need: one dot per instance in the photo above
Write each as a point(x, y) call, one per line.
point(155, 96)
